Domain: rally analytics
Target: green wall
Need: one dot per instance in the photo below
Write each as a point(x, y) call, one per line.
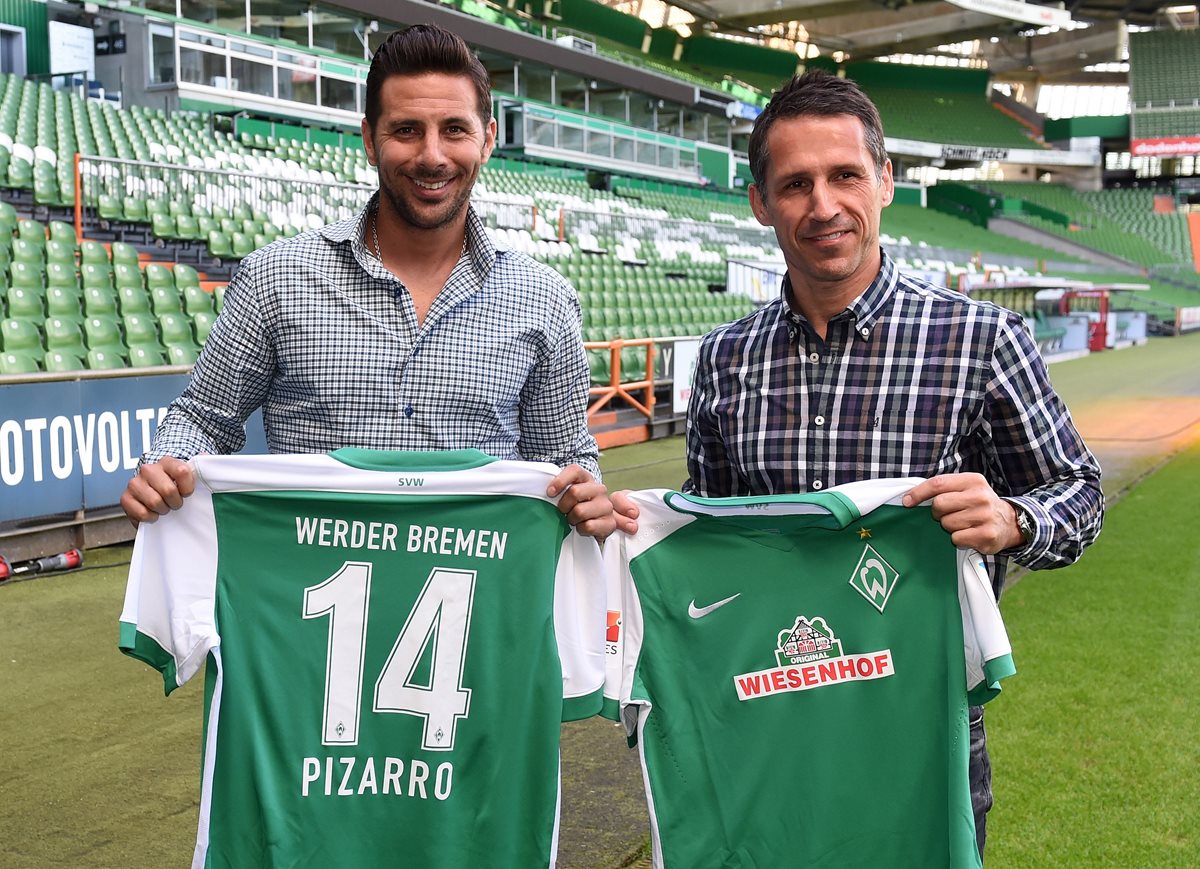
point(739, 59)
point(1114, 127)
point(31, 16)
point(592, 17)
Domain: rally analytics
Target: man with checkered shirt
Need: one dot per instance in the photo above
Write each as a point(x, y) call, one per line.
point(859, 372)
point(402, 328)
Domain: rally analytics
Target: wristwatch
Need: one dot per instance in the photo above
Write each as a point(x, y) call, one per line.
point(1025, 525)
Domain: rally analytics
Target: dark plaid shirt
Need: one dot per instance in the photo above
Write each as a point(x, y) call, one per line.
point(911, 380)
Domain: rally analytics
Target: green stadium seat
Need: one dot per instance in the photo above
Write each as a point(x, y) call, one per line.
point(33, 231)
point(187, 228)
point(93, 253)
point(196, 301)
point(134, 209)
point(64, 336)
point(165, 300)
point(96, 276)
point(243, 245)
point(158, 276)
point(133, 300)
point(125, 276)
point(17, 362)
point(60, 362)
point(142, 356)
point(140, 330)
point(64, 302)
point(99, 302)
point(103, 333)
point(61, 252)
point(8, 218)
point(162, 226)
point(125, 253)
point(219, 297)
point(185, 276)
point(219, 245)
point(63, 233)
point(176, 329)
point(179, 354)
point(22, 336)
point(203, 322)
point(109, 207)
point(26, 304)
point(105, 359)
point(25, 251)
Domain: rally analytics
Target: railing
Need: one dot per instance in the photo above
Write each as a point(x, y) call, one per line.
point(603, 395)
point(285, 200)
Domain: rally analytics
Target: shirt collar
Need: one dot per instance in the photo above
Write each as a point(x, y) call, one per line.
point(482, 250)
point(865, 309)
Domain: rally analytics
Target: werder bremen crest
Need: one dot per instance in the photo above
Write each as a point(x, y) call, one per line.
point(874, 578)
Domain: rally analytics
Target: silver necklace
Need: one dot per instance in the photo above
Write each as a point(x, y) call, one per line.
point(379, 250)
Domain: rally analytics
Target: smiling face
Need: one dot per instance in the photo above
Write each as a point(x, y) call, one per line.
point(823, 197)
point(428, 144)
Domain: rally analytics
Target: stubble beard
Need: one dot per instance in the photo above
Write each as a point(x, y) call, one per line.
point(410, 214)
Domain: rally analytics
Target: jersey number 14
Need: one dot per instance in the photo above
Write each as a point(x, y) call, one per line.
point(441, 617)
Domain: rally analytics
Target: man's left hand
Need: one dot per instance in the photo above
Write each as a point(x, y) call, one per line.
point(584, 502)
point(970, 510)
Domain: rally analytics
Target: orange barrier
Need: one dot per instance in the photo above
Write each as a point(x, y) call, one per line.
point(1194, 231)
point(602, 395)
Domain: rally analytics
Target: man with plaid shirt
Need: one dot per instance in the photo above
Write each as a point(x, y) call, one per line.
point(859, 372)
point(403, 327)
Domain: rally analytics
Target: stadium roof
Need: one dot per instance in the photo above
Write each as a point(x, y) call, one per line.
point(1056, 42)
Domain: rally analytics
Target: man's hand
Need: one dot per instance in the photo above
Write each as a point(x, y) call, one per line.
point(968, 508)
point(157, 489)
point(625, 512)
point(584, 502)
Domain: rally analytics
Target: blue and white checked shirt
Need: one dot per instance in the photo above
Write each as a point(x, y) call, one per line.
point(911, 380)
point(325, 339)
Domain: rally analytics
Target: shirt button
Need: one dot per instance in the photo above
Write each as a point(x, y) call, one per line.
point(864, 331)
point(819, 420)
point(817, 484)
point(408, 411)
point(814, 357)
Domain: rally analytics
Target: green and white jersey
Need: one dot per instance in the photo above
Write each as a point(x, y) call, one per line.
point(796, 672)
point(392, 641)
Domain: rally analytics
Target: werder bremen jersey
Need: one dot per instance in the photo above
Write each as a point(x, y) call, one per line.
point(392, 641)
point(796, 672)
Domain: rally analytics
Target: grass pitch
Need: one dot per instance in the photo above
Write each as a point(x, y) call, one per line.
point(1094, 742)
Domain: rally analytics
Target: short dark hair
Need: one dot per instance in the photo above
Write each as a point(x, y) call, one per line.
point(420, 49)
point(816, 93)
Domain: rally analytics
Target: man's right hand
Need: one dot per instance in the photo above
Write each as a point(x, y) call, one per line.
point(157, 489)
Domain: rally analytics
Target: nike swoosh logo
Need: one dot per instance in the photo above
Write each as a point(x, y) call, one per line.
point(699, 612)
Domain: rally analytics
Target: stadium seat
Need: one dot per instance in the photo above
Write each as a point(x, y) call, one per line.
point(64, 302)
point(96, 276)
point(176, 330)
point(102, 333)
point(243, 245)
point(60, 362)
point(104, 359)
point(125, 276)
point(158, 276)
point(61, 253)
point(26, 304)
point(16, 362)
point(140, 330)
point(142, 356)
point(22, 336)
point(203, 323)
point(219, 297)
point(27, 252)
point(178, 354)
point(185, 276)
point(33, 231)
point(64, 336)
point(219, 245)
point(126, 254)
point(93, 253)
point(99, 302)
point(197, 301)
point(165, 300)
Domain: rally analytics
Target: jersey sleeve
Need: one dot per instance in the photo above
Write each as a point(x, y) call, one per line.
point(579, 605)
point(168, 618)
point(985, 640)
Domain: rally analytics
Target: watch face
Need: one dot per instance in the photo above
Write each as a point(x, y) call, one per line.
point(1025, 526)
